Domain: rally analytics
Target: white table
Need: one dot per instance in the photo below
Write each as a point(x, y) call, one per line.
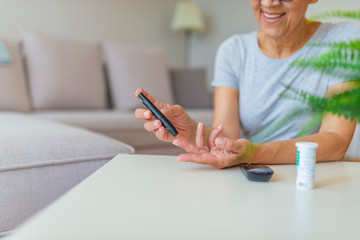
point(155, 197)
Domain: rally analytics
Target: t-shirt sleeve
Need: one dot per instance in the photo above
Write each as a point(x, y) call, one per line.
point(344, 32)
point(224, 74)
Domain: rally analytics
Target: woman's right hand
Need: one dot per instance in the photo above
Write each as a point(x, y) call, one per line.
point(183, 123)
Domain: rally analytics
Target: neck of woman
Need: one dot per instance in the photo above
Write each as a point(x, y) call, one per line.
point(287, 45)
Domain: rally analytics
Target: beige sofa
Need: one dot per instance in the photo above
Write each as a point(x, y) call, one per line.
point(67, 107)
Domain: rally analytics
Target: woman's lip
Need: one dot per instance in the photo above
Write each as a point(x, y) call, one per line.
point(271, 13)
point(271, 20)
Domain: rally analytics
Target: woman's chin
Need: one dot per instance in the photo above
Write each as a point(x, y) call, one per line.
point(273, 33)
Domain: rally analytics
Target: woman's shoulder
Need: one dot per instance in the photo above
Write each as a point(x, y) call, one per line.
point(239, 42)
point(342, 31)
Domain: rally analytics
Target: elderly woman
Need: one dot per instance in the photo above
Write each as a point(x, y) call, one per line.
point(249, 72)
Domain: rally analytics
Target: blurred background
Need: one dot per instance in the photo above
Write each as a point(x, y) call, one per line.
point(142, 22)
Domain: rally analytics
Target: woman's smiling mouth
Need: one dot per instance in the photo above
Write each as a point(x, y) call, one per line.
point(272, 17)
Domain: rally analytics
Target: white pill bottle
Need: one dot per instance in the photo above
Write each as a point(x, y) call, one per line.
point(305, 164)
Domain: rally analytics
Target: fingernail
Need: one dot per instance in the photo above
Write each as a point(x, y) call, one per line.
point(219, 127)
point(219, 142)
point(156, 124)
point(146, 114)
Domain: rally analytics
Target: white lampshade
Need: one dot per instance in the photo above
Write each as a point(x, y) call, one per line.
point(188, 17)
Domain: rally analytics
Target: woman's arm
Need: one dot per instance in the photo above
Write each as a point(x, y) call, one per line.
point(334, 137)
point(226, 113)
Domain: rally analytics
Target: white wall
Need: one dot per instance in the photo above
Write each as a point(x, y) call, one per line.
point(227, 17)
point(223, 19)
point(125, 21)
point(140, 22)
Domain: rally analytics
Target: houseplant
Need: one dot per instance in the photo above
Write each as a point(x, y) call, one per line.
point(342, 59)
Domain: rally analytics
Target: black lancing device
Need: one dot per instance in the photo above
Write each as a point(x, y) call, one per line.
point(257, 173)
point(158, 115)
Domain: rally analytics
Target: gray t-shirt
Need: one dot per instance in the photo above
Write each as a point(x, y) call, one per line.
point(242, 65)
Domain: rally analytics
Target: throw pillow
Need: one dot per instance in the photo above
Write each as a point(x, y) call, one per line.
point(132, 67)
point(13, 91)
point(64, 73)
point(190, 88)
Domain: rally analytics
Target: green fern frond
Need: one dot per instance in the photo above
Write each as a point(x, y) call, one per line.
point(351, 44)
point(294, 94)
point(342, 56)
point(346, 104)
point(311, 125)
point(338, 14)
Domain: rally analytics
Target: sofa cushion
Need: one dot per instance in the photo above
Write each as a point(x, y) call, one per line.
point(190, 88)
point(41, 160)
point(13, 91)
point(63, 73)
point(121, 125)
point(132, 67)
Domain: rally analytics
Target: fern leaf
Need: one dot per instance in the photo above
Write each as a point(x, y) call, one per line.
point(338, 14)
point(341, 57)
point(352, 44)
point(346, 104)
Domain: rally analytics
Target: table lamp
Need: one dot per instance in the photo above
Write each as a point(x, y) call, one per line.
point(187, 18)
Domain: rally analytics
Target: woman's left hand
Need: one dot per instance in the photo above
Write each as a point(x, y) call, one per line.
point(220, 153)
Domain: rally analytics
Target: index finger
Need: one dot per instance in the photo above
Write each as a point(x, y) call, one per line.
point(144, 114)
point(186, 146)
point(213, 135)
point(157, 103)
